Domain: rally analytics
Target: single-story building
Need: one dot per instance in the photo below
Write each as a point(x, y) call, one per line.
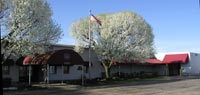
point(186, 63)
point(62, 63)
point(170, 64)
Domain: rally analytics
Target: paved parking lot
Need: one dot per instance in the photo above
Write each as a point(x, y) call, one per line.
point(166, 86)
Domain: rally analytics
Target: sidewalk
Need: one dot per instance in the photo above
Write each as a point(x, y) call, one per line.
point(58, 85)
point(180, 77)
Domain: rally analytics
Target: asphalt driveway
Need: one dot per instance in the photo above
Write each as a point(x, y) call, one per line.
point(165, 86)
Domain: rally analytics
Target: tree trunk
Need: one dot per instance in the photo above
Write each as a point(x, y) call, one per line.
point(107, 71)
point(107, 75)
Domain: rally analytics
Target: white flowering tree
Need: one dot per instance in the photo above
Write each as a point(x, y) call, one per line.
point(123, 36)
point(27, 27)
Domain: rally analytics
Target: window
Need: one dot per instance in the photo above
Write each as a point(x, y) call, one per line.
point(66, 69)
point(6, 70)
point(79, 68)
point(83, 68)
point(52, 69)
point(87, 69)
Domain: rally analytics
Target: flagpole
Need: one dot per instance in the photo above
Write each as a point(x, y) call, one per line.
point(90, 13)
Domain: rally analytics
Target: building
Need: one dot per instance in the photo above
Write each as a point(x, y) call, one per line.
point(164, 64)
point(187, 63)
point(62, 63)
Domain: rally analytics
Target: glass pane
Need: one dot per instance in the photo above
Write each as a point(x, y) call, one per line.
point(66, 69)
point(6, 70)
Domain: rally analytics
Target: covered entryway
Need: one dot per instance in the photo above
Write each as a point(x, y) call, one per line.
point(41, 64)
point(173, 62)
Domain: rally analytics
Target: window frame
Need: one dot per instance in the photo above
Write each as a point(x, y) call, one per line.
point(7, 70)
point(52, 69)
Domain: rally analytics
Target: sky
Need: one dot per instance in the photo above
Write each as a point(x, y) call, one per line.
point(175, 23)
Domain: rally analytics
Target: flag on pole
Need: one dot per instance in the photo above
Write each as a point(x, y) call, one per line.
point(94, 19)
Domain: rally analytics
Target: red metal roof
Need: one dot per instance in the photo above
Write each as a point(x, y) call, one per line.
point(171, 58)
point(154, 61)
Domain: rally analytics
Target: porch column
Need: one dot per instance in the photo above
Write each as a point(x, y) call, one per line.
point(119, 69)
point(29, 75)
point(167, 70)
point(62, 74)
point(130, 69)
point(82, 75)
point(47, 73)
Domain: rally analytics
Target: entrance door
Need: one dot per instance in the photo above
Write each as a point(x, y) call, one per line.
point(174, 69)
point(36, 73)
point(23, 73)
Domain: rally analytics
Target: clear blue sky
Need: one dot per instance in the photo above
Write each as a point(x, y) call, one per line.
point(175, 23)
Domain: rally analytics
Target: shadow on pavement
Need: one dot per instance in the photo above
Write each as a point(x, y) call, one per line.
point(51, 89)
point(148, 81)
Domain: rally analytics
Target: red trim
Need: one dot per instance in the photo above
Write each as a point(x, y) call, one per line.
point(27, 60)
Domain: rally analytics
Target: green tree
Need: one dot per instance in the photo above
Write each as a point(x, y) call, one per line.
point(27, 27)
point(122, 37)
